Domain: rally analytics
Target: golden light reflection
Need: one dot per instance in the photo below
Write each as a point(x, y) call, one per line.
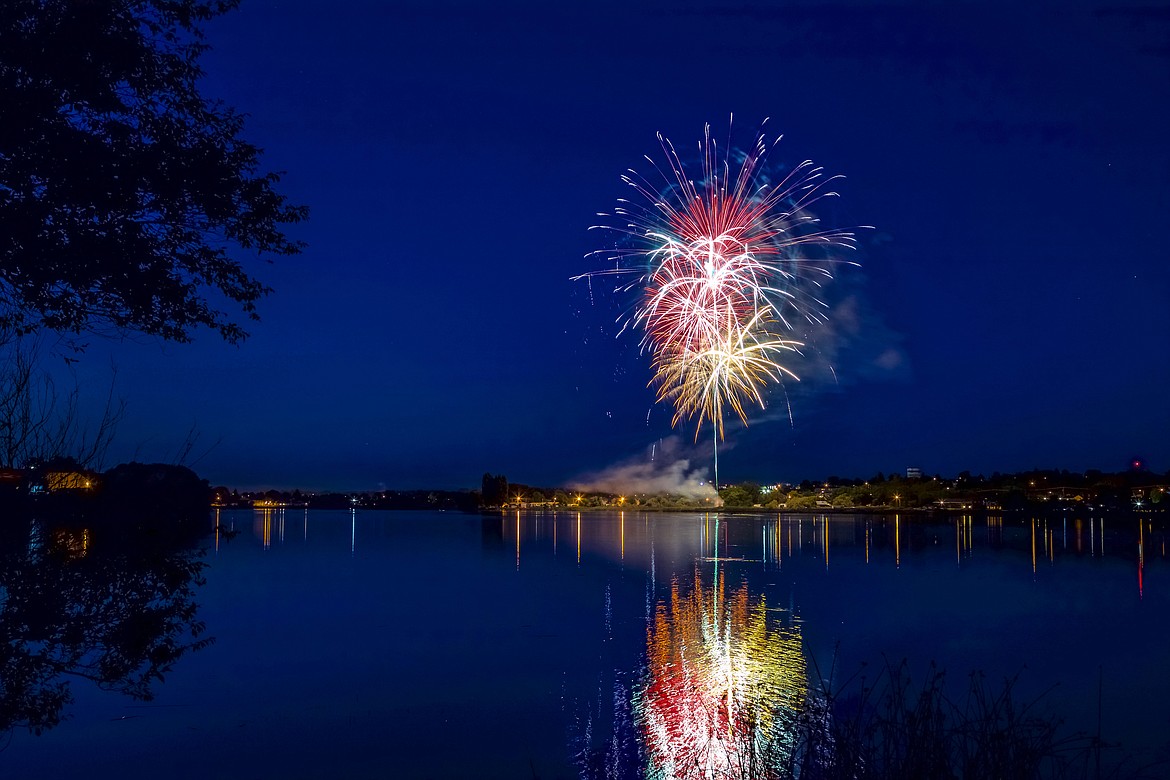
point(1033, 545)
point(897, 541)
point(826, 540)
point(965, 537)
point(623, 535)
point(825, 534)
point(72, 543)
point(262, 526)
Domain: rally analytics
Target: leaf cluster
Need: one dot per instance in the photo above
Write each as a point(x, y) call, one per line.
point(126, 196)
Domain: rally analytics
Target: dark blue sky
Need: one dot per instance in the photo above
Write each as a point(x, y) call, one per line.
point(1010, 312)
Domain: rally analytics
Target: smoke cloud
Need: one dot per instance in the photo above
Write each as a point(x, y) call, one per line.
point(852, 344)
point(665, 469)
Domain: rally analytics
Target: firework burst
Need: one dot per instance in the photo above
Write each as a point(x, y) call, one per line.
point(703, 375)
point(726, 267)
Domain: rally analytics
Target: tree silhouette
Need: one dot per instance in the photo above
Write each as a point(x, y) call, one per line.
point(494, 490)
point(126, 197)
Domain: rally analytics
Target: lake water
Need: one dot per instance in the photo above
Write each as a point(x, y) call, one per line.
point(429, 644)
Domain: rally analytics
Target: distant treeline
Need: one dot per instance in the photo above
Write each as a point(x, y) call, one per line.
point(1134, 488)
point(1036, 490)
point(461, 500)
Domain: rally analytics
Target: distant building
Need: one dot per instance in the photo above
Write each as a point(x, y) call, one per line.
point(913, 472)
point(69, 480)
point(58, 480)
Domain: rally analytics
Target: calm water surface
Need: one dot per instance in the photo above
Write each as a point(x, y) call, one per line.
point(416, 644)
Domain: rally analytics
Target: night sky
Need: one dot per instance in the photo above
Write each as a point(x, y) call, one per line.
point(1010, 310)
